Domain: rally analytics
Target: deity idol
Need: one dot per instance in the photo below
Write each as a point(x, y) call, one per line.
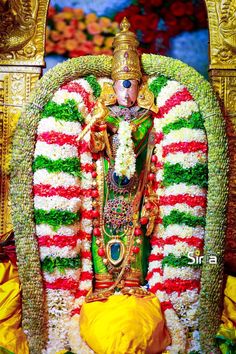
point(127, 208)
point(116, 151)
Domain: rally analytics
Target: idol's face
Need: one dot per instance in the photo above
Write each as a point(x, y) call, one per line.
point(126, 92)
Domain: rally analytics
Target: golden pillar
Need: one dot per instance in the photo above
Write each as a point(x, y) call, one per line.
point(222, 50)
point(22, 43)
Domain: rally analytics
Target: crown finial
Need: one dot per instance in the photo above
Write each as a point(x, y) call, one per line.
point(125, 25)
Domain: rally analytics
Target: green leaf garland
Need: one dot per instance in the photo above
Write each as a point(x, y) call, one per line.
point(67, 111)
point(179, 217)
point(49, 264)
point(55, 218)
point(69, 165)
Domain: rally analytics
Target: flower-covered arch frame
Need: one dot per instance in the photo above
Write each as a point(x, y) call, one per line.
point(22, 181)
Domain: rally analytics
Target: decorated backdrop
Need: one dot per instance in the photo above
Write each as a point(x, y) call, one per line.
point(174, 28)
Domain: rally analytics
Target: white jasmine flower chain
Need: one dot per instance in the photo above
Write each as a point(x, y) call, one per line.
point(125, 158)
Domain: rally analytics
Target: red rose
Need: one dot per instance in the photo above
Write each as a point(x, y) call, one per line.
point(149, 36)
point(138, 22)
point(76, 53)
point(156, 2)
point(152, 21)
point(189, 10)
point(178, 8)
point(51, 12)
point(172, 24)
point(186, 24)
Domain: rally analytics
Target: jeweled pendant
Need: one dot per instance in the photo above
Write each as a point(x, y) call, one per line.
point(115, 250)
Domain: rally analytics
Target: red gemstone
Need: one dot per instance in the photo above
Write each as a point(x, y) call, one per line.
point(144, 220)
point(94, 174)
point(149, 206)
point(94, 193)
point(95, 213)
point(95, 156)
point(102, 127)
point(96, 231)
point(101, 252)
point(137, 231)
point(151, 176)
point(154, 158)
point(136, 249)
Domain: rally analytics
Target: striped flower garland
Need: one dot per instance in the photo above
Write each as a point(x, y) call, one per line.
point(62, 195)
point(181, 182)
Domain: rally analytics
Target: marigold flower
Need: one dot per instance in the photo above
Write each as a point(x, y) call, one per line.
point(69, 32)
point(50, 46)
point(91, 18)
point(60, 26)
point(81, 25)
point(79, 13)
point(104, 22)
point(93, 28)
point(98, 39)
point(108, 42)
point(55, 35)
point(71, 44)
point(80, 36)
point(60, 47)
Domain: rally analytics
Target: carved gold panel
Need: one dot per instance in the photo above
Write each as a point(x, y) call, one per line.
point(22, 29)
point(222, 50)
point(22, 43)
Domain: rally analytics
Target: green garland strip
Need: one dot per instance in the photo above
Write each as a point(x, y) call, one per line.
point(157, 84)
point(55, 218)
point(69, 165)
point(179, 217)
point(91, 79)
point(67, 111)
point(49, 264)
point(195, 121)
point(173, 261)
point(174, 174)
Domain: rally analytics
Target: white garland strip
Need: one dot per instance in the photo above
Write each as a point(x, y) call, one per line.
point(182, 110)
point(67, 273)
point(179, 249)
point(43, 229)
point(168, 91)
point(86, 180)
point(175, 189)
point(62, 95)
point(84, 83)
point(55, 179)
point(55, 251)
point(59, 306)
point(185, 273)
point(183, 231)
point(58, 126)
point(55, 151)
point(57, 202)
point(195, 211)
point(184, 135)
point(186, 159)
point(125, 158)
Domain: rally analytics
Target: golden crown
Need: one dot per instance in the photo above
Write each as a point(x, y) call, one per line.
point(126, 64)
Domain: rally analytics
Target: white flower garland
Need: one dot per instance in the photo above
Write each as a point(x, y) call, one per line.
point(125, 157)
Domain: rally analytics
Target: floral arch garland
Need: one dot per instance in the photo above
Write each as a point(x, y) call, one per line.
point(22, 181)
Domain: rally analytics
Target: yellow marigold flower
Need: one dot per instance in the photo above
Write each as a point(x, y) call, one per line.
point(68, 15)
point(104, 22)
point(93, 28)
point(60, 26)
point(55, 35)
point(98, 39)
point(79, 13)
point(91, 18)
point(80, 36)
point(108, 42)
point(81, 25)
point(71, 44)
